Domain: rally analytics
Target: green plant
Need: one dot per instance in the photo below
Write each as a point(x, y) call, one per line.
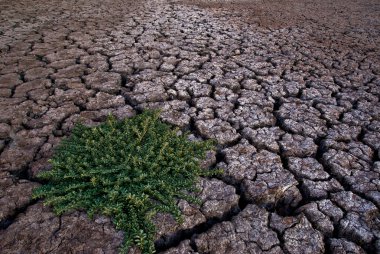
point(128, 170)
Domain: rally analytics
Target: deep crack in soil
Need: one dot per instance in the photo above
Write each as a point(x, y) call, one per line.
point(289, 89)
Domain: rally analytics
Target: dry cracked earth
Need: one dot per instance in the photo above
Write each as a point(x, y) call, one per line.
point(289, 89)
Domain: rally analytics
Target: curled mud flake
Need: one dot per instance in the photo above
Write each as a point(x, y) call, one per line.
point(294, 108)
point(238, 160)
point(303, 238)
point(217, 200)
point(297, 146)
point(302, 119)
point(264, 138)
point(273, 185)
point(360, 224)
point(147, 91)
point(343, 246)
point(217, 129)
point(248, 231)
point(175, 112)
point(252, 116)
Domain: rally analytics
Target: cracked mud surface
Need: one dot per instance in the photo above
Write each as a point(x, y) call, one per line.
point(290, 90)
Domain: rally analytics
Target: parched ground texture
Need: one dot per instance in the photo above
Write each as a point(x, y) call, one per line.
point(289, 89)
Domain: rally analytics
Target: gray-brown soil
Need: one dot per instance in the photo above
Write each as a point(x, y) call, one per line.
point(289, 89)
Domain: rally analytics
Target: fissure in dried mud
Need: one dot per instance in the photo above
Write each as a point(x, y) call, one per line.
point(290, 91)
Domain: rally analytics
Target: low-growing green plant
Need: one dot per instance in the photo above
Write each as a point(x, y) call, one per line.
point(128, 170)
